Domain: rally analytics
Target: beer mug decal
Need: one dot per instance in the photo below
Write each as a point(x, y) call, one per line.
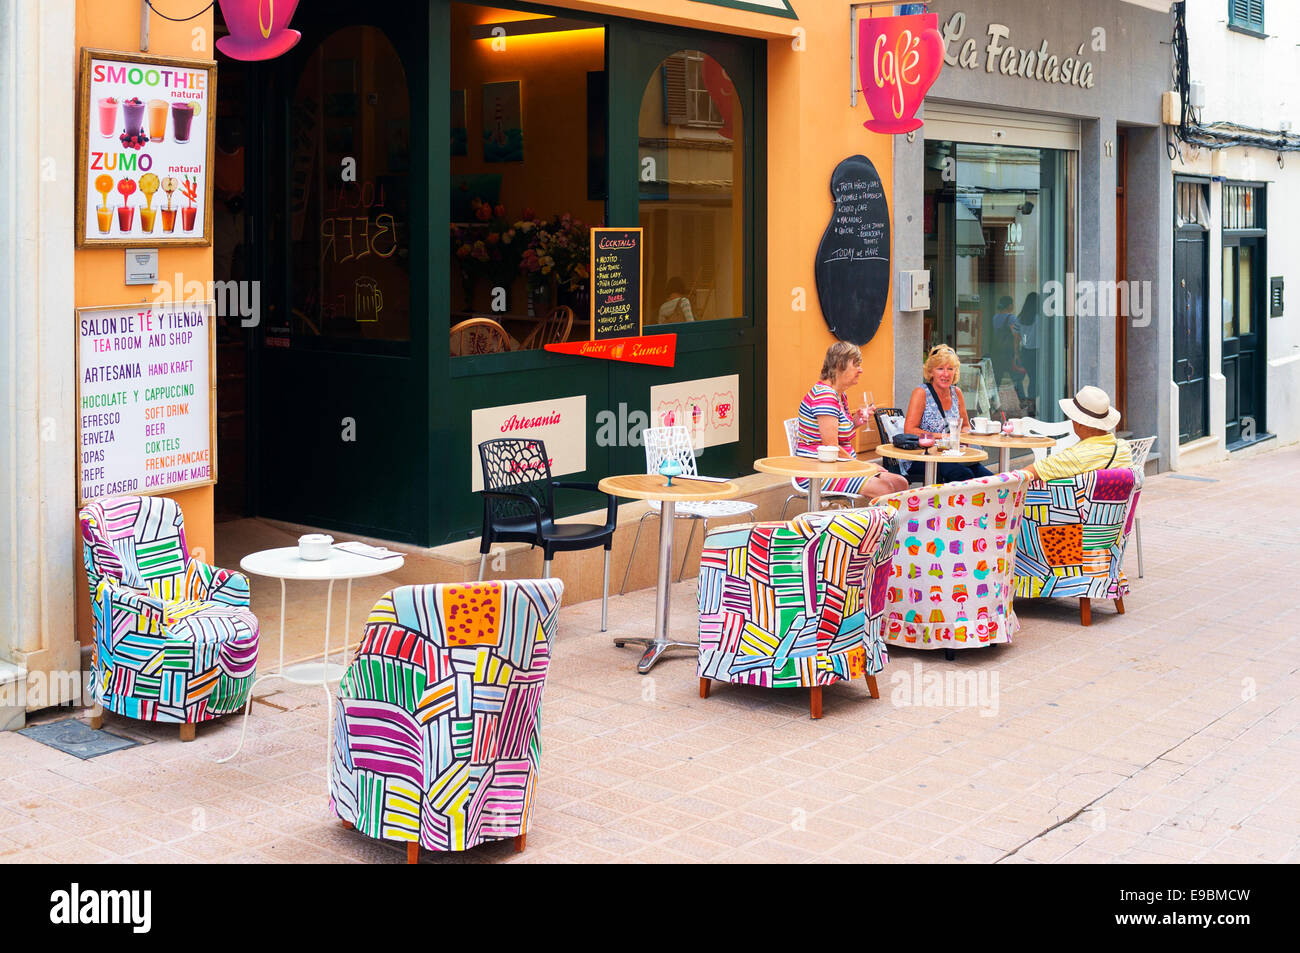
point(369, 299)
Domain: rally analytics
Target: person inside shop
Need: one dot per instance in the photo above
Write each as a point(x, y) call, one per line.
point(825, 420)
point(1006, 345)
point(1094, 421)
point(1027, 325)
point(678, 307)
point(936, 406)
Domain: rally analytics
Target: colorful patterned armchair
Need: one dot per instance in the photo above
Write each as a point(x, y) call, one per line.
point(796, 605)
point(953, 562)
point(437, 725)
point(1073, 536)
point(175, 640)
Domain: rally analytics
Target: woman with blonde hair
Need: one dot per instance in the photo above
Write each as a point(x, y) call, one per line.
point(937, 405)
point(824, 420)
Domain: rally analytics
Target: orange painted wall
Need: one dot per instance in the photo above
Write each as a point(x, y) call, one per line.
point(99, 272)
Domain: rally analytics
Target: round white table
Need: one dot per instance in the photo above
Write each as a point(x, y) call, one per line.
point(285, 564)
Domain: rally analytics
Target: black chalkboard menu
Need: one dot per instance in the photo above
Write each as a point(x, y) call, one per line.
point(852, 267)
point(615, 283)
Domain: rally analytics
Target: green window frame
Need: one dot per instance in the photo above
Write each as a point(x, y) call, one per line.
point(1246, 16)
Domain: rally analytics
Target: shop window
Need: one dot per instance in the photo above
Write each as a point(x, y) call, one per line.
point(692, 181)
point(350, 162)
point(1193, 205)
point(1241, 204)
point(528, 96)
point(1246, 16)
point(998, 225)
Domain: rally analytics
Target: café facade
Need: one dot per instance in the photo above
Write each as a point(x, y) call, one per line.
point(406, 174)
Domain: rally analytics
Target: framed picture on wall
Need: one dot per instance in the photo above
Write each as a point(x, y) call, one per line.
point(503, 123)
point(145, 135)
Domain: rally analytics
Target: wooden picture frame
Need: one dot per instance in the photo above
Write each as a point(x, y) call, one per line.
point(210, 307)
point(84, 189)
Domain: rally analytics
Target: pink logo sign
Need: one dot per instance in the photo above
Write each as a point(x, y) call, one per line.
point(258, 28)
point(899, 59)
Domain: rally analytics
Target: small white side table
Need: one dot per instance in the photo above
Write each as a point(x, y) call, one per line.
point(285, 564)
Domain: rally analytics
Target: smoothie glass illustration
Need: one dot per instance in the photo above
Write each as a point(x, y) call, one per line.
point(107, 116)
point(133, 113)
point(104, 185)
point(157, 111)
point(182, 118)
point(190, 189)
point(169, 214)
point(148, 186)
point(126, 212)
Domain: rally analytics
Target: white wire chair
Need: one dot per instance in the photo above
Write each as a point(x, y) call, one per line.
point(665, 443)
point(829, 497)
point(1063, 432)
point(1141, 449)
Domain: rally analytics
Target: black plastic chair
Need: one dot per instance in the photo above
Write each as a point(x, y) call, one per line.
point(519, 507)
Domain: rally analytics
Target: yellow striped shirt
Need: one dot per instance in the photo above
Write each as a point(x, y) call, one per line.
point(1091, 453)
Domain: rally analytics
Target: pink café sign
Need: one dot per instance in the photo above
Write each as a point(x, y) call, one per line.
point(899, 59)
point(259, 29)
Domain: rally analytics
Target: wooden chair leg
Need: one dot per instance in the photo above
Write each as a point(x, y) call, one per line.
point(187, 732)
point(815, 701)
point(1085, 610)
point(347, 825)
point(96, 722)
point(872, 686)
point(520, 841)
point(413, 852)
point(1119, 606)
point(704, 688)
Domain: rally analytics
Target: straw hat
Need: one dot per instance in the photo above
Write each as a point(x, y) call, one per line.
point(1091, 407)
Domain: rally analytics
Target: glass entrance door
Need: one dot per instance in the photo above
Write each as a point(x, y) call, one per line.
point(1243, 312)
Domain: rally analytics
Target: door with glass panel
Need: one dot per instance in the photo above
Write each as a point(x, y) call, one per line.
point(685, 116)
point(1191, 347)
point(1243, 307)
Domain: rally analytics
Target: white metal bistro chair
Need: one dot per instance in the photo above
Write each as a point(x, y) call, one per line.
point(1141, 449)
point(828, 497)
point(664, 443)
point(1063, 432)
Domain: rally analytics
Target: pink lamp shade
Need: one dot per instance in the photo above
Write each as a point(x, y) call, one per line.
point(258, 28)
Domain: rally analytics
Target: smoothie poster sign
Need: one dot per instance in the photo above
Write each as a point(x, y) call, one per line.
point(145, 402)
point(146, 150)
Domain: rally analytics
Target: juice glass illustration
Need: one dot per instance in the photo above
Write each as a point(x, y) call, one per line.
point(107, 116)
point(157, 112)
point(125, 217)
point(149, 185)
point(187, 216)
point(133, 112)
point(182, 118)
point(168, 219)
point(105, 216)
point(147, 218)
point(189, 189)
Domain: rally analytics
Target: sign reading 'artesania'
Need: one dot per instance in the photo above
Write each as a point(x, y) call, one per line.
point(615, 283)
point(145, 407)
point(560, 423)
point(146, 149)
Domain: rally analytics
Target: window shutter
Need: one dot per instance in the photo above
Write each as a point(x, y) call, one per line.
point(1247, 13)
point(675, 107)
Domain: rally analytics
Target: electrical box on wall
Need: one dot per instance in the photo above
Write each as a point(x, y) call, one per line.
point(1275, 286)
point(913, 290)
point(1171, 108)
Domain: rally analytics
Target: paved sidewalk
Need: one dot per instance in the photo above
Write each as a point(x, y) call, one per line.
point(1170, 733)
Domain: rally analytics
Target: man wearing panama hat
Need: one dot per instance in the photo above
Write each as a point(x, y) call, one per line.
point(1094, 421)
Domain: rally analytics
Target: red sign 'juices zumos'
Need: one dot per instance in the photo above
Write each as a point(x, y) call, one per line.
point(899, 59)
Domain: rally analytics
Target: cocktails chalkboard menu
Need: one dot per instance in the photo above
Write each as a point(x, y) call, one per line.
point(615, 283)
point(852, 267)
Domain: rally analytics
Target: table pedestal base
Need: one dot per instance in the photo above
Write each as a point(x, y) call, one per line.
point(654, 650)
point(657, 646)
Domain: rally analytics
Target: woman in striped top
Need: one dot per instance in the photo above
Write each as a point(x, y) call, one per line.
point(824, 420)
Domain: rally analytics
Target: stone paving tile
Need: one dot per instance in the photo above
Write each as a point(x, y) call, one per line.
point(1163, 735)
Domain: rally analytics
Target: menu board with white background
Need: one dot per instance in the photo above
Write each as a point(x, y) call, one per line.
point(146, 399)
point(560, 423)
point(146, 149)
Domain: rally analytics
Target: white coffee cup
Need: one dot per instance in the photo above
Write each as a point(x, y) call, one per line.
point(827, 454)
point(978, 424)
point(1017, 426)
point(315, 546)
